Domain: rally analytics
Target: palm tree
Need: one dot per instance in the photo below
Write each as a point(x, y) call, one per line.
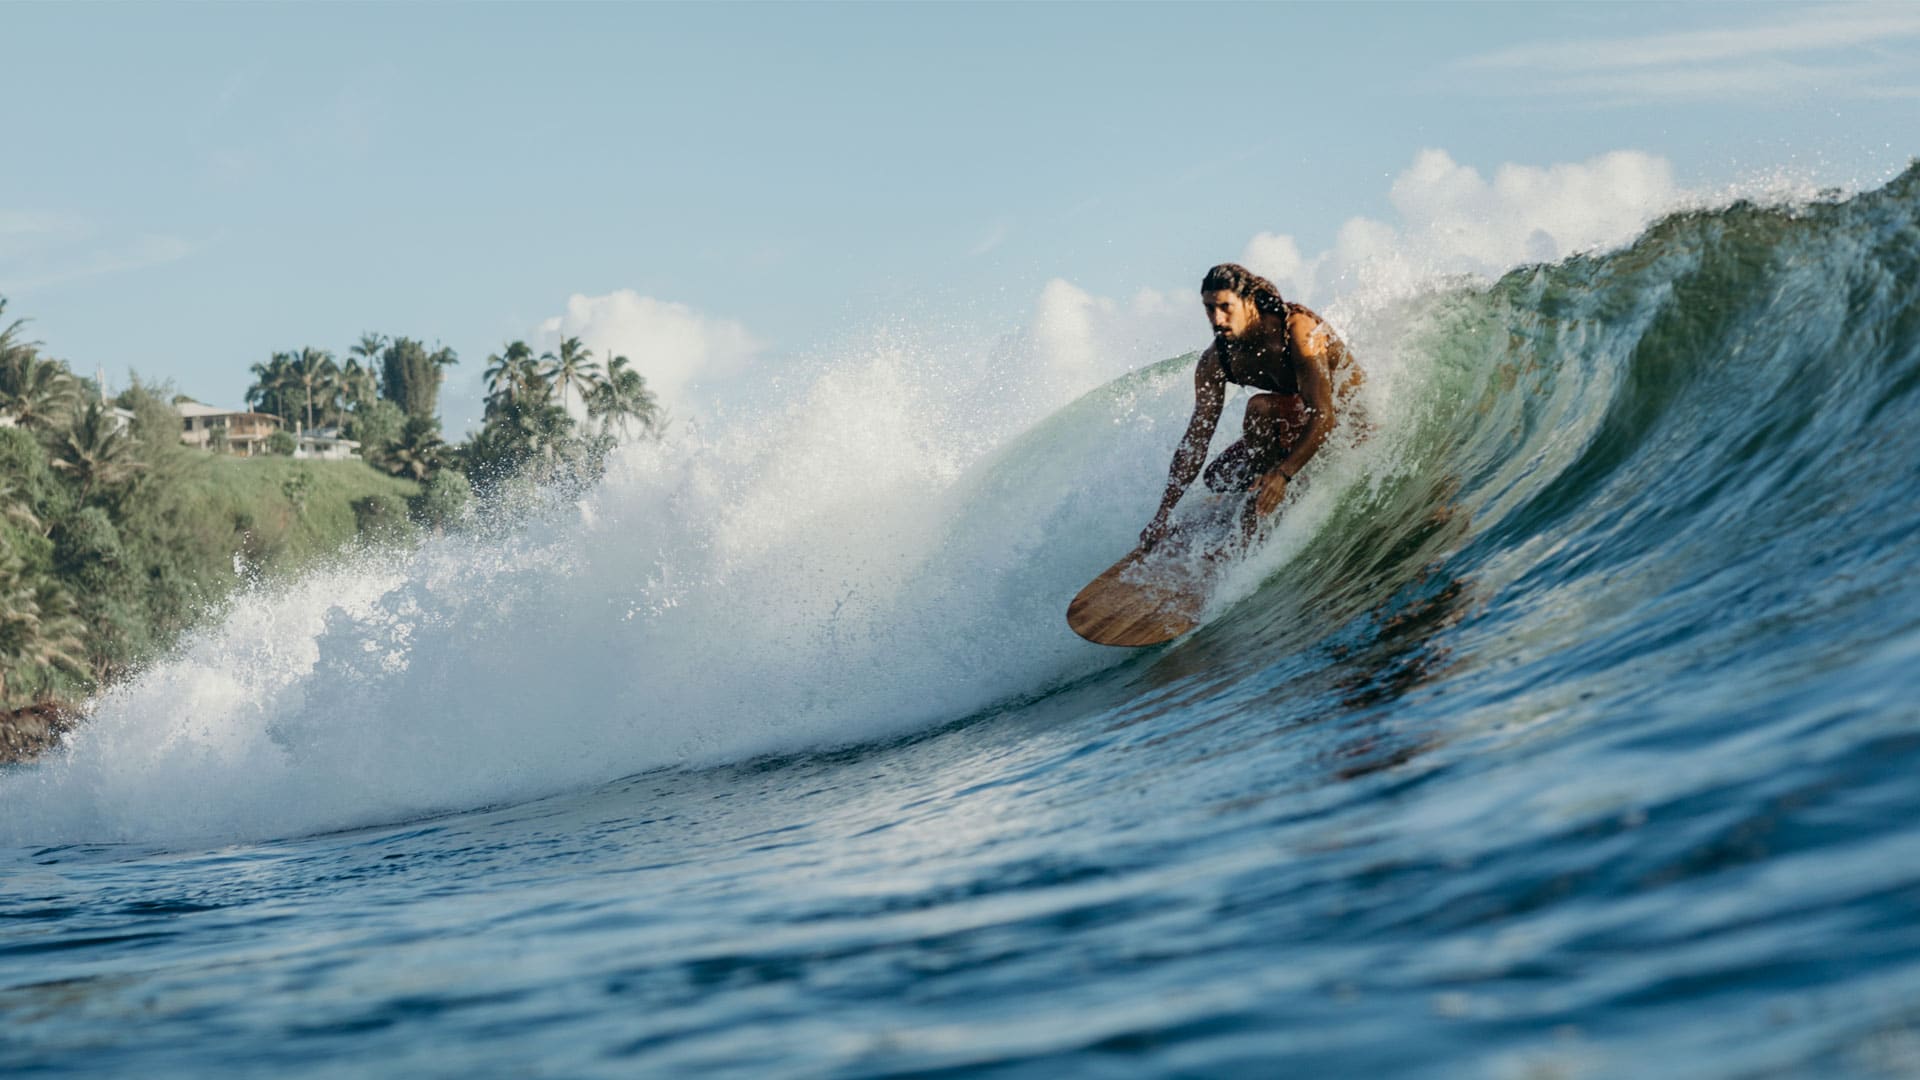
point(10, 337)
point(514, 377)
point(318, 377)
point(622, 397)
point(19, 619)
point(16, 507)
point(275, 388)
point(368, 348)
point(330, 407)
point(38, 629)
point(360, 377)
point(419, 452)
point(38, 394)
point(97, 449)
point(573, 364)
point(358, 385)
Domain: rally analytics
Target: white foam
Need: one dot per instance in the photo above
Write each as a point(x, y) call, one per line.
point(858, 564)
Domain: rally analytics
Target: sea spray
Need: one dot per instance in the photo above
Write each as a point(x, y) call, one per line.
point(832, 572)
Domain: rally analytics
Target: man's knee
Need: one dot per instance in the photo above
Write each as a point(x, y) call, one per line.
point(1281, 408)
point(1217, 479)
point(1281, 415)
point(1263, 408)
point(1228, 471)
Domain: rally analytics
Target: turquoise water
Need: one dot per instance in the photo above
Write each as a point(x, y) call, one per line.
point(1567, 726)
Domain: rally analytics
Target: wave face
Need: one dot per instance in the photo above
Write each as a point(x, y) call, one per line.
point(1564, 725)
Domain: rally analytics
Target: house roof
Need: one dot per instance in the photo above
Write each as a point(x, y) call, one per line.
point(190, 409)
point(317, 437)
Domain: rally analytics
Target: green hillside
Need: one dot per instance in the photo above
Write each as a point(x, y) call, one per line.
point(280, 512)
point(116, 538)
point(101, 569)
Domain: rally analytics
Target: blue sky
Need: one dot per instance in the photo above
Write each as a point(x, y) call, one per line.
point(186, 188)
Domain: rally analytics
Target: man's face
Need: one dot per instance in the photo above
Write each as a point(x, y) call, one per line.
point(1229, 313)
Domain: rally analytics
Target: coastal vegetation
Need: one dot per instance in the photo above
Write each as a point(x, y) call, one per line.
point(116, 536)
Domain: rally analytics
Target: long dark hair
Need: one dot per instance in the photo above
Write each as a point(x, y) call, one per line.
point(1237, 279)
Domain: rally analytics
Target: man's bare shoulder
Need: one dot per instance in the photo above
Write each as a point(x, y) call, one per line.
point(1312, 337)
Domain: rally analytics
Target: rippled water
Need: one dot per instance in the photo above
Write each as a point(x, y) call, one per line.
point(1567, 727)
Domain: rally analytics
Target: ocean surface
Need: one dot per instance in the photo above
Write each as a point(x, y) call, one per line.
point(1567, 725)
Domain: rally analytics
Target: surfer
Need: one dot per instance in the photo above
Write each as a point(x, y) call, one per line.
point(1294, 359)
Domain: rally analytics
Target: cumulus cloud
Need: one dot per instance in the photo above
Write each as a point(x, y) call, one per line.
point(1076, 340)
point(684, 355)
point(1527, 213)
point(1277, 257)
point(1451, 219)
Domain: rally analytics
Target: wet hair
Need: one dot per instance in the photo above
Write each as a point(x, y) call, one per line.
point(1242, 282)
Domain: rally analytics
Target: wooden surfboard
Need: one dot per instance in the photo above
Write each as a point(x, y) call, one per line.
point(1149, 597)
point(1154, 594)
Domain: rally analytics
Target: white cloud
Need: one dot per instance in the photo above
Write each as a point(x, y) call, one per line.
point(1064, 327)
point(1078, 340)
point(1277, 258)
point(19, 227)
point(1528, 213)
point(1449, 219)
point(684, 355)
point(1765, 60)
point(1823, 29)
point(1452, 219)
point(42, 248)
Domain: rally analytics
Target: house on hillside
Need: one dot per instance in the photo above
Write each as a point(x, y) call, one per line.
point(325, 443)
point(246, 432)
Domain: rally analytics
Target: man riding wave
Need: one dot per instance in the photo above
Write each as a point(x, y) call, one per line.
point(1303, 372)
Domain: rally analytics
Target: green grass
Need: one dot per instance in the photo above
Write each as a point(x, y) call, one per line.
point(248, 497)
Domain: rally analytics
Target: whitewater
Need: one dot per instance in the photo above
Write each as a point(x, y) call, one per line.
point(1565, 725)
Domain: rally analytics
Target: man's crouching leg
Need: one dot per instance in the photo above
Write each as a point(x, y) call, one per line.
point(1273, 426)
point(1232, 470)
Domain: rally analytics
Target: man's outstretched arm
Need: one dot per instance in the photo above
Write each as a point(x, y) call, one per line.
point(1209, 398)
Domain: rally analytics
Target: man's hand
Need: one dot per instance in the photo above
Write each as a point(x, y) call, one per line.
point(1268, 492)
